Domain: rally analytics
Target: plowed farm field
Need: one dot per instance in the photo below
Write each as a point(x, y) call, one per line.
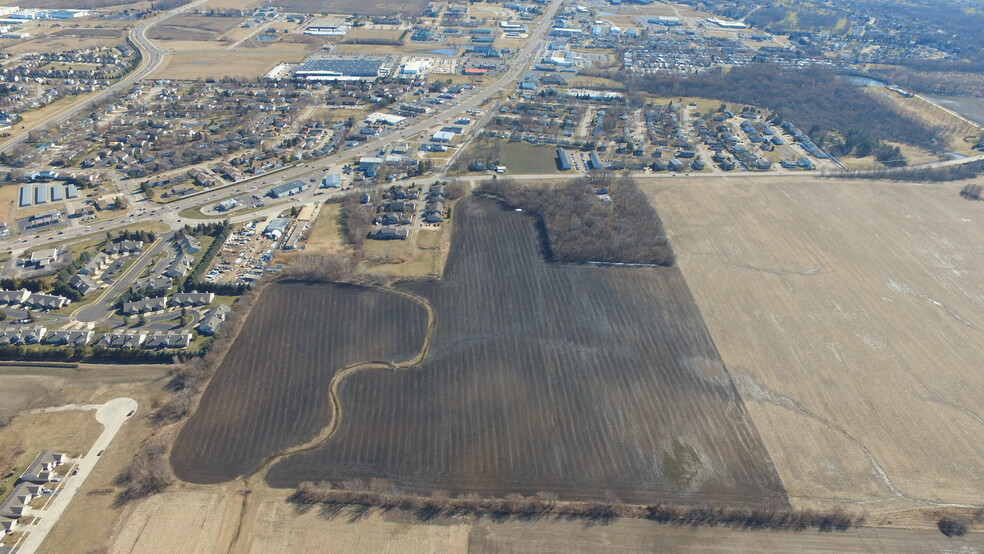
point(582, 381)
point(271, 390)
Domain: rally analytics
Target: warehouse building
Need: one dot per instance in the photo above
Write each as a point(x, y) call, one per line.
point(339, 69)
point(564, 160)
point(288, 189)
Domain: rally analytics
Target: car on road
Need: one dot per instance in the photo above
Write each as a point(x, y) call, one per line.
point(46, 491)
point(100, 453)
point(75, 471)
point(56, 479)
point(131, 413)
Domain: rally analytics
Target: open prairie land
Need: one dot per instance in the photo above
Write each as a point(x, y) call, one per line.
point(271, 390)
point(577, 380)
point(850, 315)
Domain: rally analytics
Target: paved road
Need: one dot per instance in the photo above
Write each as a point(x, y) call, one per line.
point(112, 415)
point(103, 308)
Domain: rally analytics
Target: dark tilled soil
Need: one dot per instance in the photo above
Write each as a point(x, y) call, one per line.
point(582, 381)
point(271, 390)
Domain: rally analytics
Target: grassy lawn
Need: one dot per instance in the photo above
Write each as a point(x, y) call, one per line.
point(522, 157)
point(327, 230)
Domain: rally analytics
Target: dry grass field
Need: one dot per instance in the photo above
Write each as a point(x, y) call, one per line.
point(361, 7)
point(89, 517)
point(210, 517)
point(188, 62)
point(271, 391)
point(193, 27)
point(603, 382)
point(850, 316)
point(151, 524)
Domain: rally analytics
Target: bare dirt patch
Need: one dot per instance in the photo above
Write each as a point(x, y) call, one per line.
point(850, 316)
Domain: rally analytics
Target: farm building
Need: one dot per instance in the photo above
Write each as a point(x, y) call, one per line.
point(183, 299)
point(42, 468)
point(339, 69)
point(288, 189)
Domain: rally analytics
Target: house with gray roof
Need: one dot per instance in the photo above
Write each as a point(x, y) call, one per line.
point(22, 334)
point(180, 266)
point(67, 338)
point(46, 301)
point(168, 340)
point(96, 265)
point(13, 297)
point(159, 282)
point(122, 340)
point(188, 244)
point(42, 468)
point(213, 319)
point(124, 247)
point(146, 305)
point(186, 299)
point(16, 503)
point(84, 284)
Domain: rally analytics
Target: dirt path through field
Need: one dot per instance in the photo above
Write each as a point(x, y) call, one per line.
point(248, 509)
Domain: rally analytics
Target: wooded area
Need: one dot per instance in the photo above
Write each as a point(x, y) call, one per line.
point(582, 226)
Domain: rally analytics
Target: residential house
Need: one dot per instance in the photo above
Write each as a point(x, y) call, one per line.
point(46, 301)
point(124, 247)
point(13, 297)
point(168, 340)
point(122, 340)
point(146, 305)
point(183, 299)
point(42, 468)
point(213, 319)
point(84, 284)
point(68, 338)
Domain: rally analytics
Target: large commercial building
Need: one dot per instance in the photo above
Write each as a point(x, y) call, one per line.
point(339, 69)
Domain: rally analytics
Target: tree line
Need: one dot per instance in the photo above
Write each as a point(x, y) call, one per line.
point(582, 227)
point(938, 174)
point(380, 493)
